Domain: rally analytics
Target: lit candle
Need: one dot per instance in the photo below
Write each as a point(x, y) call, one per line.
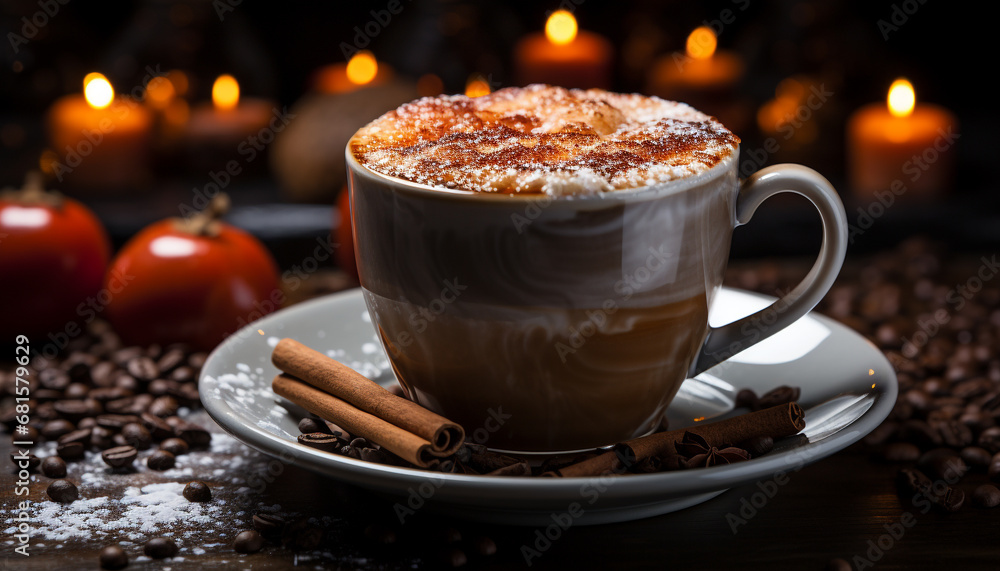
point(99, 140)
point(703, 76)
point(901, 146)
point(564, 55)
point(362, 70)
point(230, 120)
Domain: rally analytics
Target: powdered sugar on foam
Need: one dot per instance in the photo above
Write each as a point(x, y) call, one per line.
point(543, 139)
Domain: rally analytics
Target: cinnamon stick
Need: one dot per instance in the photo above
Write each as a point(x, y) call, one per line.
point(776, 422)
point(347, 384)
point(400, 442)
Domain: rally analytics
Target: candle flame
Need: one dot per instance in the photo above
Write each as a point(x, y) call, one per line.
point(901, 98)
point(561, 27)
point(362, 68)
point(97, 91)
point(701, 43)
point(225, 92)
point(477, 86)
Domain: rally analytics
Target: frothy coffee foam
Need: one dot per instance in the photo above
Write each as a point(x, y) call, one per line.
point(543, 139)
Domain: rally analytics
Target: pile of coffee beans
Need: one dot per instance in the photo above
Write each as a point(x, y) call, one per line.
point(937, 319)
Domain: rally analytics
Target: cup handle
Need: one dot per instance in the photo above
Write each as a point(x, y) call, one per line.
point(728, 340)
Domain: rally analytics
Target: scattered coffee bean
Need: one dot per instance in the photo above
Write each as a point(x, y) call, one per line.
point(136, 435)
point(321, 441)
point(54, 429)
point(113, 557)
point(975, 456)
point(158, 429)
point(160, 548)
point(309, 425)
point(63, 491)
point(54, 467)
point(248, 541)
point(119, 456)
point(270, 526)
point(142, 368)
point(746, 398)
point(70, 450)
point(160, 460)
point(986, 496)
point(779, 395)
point(193, 434)
point(175, 446)
point(197, 492)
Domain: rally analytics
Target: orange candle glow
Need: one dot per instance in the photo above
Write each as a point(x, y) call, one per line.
point(564, 55)
point(702, 68)
point(231, 120)
point(362, 70)
point(900, 145)
point(99, 140)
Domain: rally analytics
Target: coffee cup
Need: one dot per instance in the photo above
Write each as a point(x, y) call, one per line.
point(549, 324)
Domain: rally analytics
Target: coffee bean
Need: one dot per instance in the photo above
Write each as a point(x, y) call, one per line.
point(170, 360)
point(54, 379)
point(454, 557)
point(183, 373)
point(197, 360)
point(175, 446)
point(70, 450)
point(309, 425)
point(920, 433)
point(53, 429)
point(270, 526)
point(193, 434)
point(160, 548)
point(248, 541)
point(986, 496)
point(54, 467)
point(113, 557)
point(157, 427)
point(136, 435)
point(160, 460)
point(163, 406)
point(74, 410)
point(120, 456)
point(142, 368)
point(943, 463)
point(63, 491)
point(127, 382)
point(779, 395)
point(350, 451)
point(116, 421)
point(746, 398)
point(109, 394)
point(197, 492)
point(321, 441)
point(954, 433)
point(81, 435)
point(101, 438)
point(373, 455)
point(102, 374)
point(975, 456)
point(838, 564)
point(990, 439)
point(161, 387)
point(901, 452)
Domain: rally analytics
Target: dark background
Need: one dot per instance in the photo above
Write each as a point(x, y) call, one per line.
point(944, 48)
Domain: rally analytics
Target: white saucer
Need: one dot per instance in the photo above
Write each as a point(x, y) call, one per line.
point(848, 388)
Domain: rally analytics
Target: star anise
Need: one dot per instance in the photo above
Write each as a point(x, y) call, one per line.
point(695, 452)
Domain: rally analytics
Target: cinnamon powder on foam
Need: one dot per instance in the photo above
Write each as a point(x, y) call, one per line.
point(543, 139)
